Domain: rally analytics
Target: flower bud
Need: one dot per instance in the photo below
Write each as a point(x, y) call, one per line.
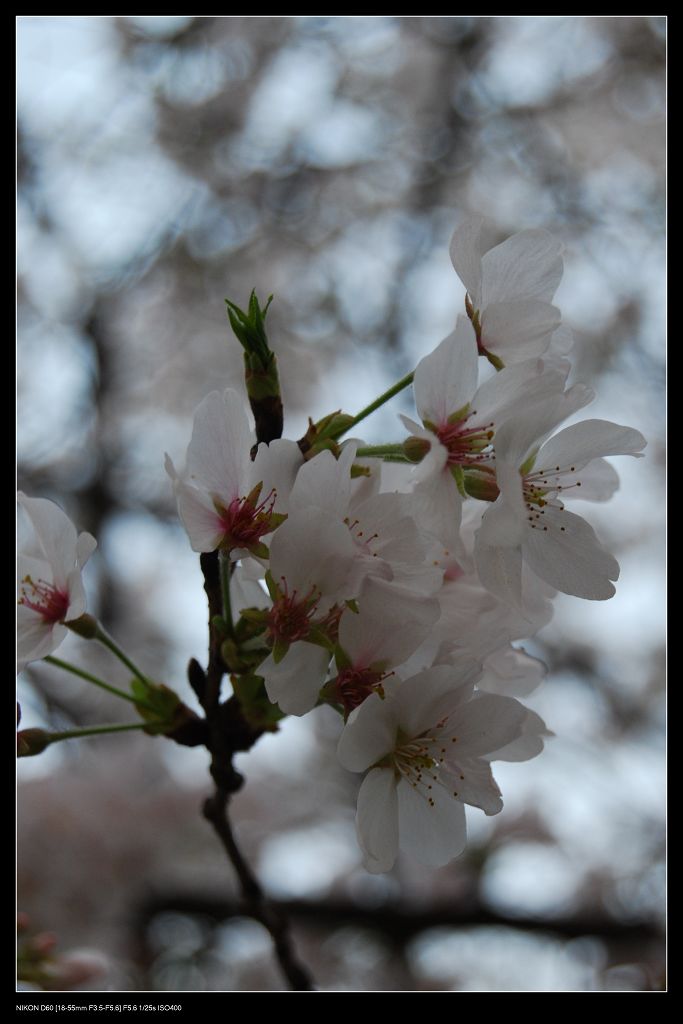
point(415, 448)
point(31, 742)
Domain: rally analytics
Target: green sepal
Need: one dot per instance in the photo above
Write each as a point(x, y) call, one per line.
point(528, 464)
point(259, 550)
point(357, 471)
point(455, 417)
point(255, 616)
point(280, 648)
point(258, 710)
point(481, 486)
point(352, 605)
point(319, 637)
point(459, 477)
point(341, 658)
point(230, 653)
point(272, 586)
point(161, 704)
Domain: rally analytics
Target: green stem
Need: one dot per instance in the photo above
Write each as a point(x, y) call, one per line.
point(105, 639)
point(95, 730)
point(97, 682)
point(393, 390)
point(378, 451)
point(224, 568)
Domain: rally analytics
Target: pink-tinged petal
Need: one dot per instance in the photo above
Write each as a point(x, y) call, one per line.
point(565, 552)
point(369, 734)
point(470, 241)
point(294, 683)
point(55, 535)
point(431, 833)
point(275, 467)
point(377, 820)
point(485, 723)
point(530, 743)
point(526, 266)
point(446, 379)
point(202, 523)
point(520, 329)
point(324, 483)
point(591, 439)
point(512, 673)
point(218, 454)
point(500, 571)
point(36, 638)
point(473, 781)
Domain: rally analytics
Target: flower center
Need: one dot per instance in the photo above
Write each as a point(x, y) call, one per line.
point(245, 522)
point(45, 599)
point(466, 446)
point(353, 685)
point(542, 489)
point(290, 617)
point(422, 762)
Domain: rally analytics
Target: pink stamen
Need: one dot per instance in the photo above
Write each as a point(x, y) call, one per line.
point(45, 599)
point(467, 446)
point(244, 524)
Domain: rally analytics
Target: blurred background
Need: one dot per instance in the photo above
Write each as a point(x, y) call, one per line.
point(168, 163)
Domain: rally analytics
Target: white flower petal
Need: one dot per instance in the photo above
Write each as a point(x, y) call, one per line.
point(500, 571)
point(276, 466)
point(512, 673)
point(446, 379)
point(526, 266)
point(521, 434)
point(202, 523)
point(485, 723)
point(471, 239)
point(36, 638)
point(518, 329)
point(432, 834)
point(425, 699)
point(324, 483)
point(591, 439)
point(55, 534)
point(294, 683)
point(369, 734)
point(377, 820)
point(528, 745)
point(218, 454)
point(566, 554)
point(474, 783)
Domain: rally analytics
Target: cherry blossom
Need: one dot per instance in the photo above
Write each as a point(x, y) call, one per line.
point(529, 524)
point(426, 744)
point(224, 499)
point(50, 586)
point(510, 287)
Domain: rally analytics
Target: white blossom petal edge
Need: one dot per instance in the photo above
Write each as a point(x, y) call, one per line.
point(50, 588)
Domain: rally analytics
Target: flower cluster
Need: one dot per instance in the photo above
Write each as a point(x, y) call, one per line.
point(398, 599)
point(392, 582)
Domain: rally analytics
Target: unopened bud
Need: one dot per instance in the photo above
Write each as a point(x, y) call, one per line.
point(86, 626)
point(481, 486)
point(31, 742)
point(415, 448)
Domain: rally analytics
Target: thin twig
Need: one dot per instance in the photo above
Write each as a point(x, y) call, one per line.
point(256, 904)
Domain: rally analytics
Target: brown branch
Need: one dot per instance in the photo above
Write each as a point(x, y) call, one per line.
point(256, 904)
point(400, 923)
